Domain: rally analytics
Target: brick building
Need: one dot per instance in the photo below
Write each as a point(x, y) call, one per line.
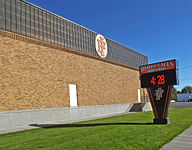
point(52, 69)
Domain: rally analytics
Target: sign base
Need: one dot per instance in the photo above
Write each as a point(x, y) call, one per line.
point(161, 121)
point(160, 99)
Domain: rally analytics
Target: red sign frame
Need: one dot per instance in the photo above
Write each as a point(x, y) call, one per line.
point(156, 67)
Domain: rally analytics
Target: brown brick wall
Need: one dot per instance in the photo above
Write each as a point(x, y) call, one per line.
point(35, 76)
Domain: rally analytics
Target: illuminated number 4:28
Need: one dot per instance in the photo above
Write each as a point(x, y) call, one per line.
point(160, 78)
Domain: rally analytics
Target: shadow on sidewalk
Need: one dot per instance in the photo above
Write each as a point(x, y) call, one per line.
point(84, 125)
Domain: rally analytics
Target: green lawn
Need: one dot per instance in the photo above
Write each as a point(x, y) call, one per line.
point(131, 131)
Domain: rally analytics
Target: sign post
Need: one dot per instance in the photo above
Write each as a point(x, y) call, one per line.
point(159, 79)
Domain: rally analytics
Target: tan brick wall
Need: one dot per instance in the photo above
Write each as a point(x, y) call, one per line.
point(34, 76)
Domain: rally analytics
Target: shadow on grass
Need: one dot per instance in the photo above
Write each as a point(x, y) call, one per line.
point(84, 125)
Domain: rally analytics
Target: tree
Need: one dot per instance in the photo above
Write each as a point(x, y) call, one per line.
point(187, 89)
point(174, 94)
point(178, 92)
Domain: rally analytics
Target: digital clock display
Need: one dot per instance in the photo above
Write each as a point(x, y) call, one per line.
point(159, 80)
point(158, 74)
point(167, 77)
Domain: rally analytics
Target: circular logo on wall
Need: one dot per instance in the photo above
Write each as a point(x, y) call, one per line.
point(101, 46)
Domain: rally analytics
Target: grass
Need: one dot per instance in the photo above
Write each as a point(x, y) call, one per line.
point(125, 132)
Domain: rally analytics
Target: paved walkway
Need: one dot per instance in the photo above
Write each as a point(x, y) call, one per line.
point(181, 142)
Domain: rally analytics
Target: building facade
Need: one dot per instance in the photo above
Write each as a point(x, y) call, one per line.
point(50, 63)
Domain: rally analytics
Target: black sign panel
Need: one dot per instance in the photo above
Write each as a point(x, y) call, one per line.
point(167, 77)
point(160, 99)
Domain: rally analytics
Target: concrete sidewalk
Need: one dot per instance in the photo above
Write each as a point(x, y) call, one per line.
point(181, 142)
point(28, 127)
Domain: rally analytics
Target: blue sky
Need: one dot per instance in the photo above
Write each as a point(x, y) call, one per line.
point(159, 29)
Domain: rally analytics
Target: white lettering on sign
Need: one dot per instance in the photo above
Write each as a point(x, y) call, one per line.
point(167, 65)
